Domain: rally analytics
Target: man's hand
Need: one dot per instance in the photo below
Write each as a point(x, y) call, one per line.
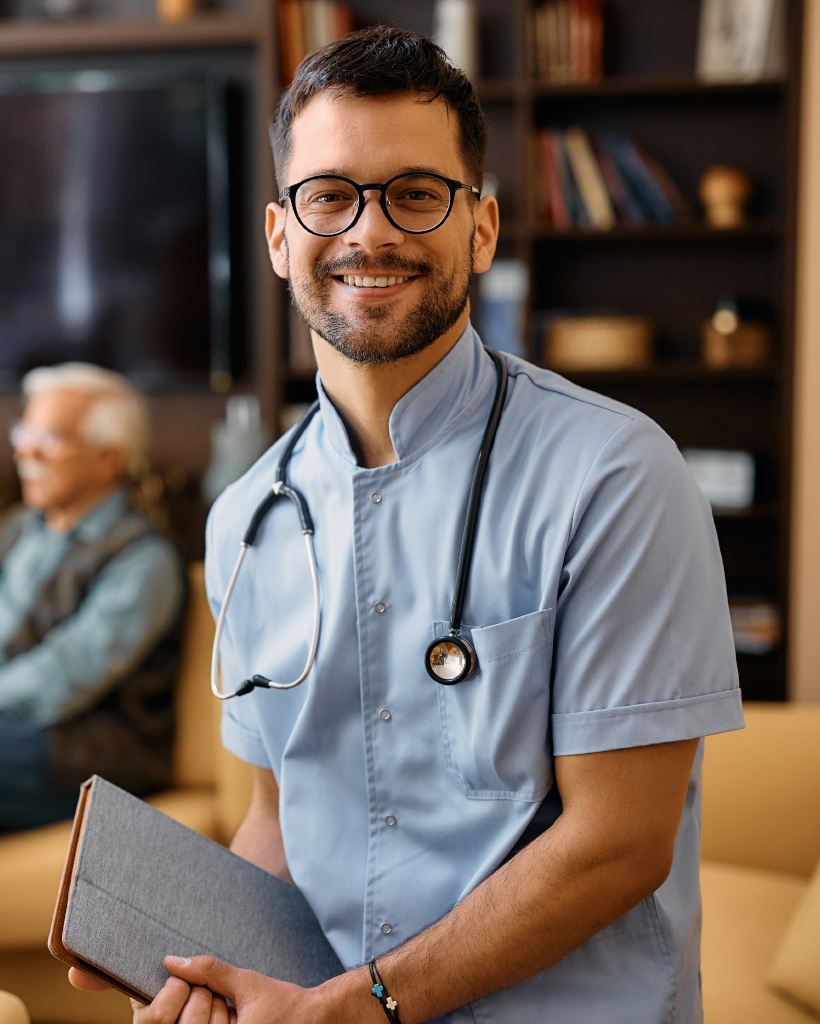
point(194, 995)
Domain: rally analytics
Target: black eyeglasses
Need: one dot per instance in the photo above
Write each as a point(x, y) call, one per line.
point(415, 202)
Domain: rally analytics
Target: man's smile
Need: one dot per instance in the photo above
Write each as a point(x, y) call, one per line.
point(370, 284)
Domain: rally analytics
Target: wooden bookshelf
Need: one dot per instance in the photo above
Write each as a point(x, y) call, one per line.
point(673, 274)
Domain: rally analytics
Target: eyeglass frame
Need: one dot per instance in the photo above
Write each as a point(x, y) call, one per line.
point(452, 184)
point(45, 440)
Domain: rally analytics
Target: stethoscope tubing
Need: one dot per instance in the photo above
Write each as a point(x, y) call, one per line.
point(281, 489)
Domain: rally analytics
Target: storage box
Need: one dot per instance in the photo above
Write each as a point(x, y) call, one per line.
point(599, 343)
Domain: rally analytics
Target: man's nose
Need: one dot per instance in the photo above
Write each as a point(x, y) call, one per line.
point(373, 230)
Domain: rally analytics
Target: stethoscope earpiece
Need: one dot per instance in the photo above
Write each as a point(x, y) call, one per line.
point(450, 659)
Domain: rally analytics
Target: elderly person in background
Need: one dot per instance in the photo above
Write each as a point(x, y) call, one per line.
point(91, 601)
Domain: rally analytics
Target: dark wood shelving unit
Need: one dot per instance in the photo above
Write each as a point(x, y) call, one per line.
point(673, 274)
point(761, 227)
point(25, 37)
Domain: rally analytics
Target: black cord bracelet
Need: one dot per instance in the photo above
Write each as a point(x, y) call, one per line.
point(389, 1005)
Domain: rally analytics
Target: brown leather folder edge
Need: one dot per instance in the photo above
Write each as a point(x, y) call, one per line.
point(55, 936)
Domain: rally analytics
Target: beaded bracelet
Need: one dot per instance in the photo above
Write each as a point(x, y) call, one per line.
point(389, 1005)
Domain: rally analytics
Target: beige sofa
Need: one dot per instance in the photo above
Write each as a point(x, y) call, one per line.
point(210, 794)
point(761, 841)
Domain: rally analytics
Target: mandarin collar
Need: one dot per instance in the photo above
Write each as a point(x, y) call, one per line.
point(424, 413)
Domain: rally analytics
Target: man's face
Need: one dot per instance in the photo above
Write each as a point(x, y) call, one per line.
point(373, 139)
point(58, 469)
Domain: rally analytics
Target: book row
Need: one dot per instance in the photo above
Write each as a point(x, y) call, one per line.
point(598, 180)
point(567, 41)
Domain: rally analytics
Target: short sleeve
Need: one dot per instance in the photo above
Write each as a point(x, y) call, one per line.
point(239, 729)
point(643, 648)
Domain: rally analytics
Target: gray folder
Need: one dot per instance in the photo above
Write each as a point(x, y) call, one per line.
point(138, 886)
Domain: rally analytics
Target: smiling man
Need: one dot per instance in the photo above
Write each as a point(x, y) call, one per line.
point(519, 846)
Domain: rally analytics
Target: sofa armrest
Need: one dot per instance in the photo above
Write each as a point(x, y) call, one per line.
point(761, 789)
point(12, 1010)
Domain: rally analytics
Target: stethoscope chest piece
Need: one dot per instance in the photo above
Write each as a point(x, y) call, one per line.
point(450, 659)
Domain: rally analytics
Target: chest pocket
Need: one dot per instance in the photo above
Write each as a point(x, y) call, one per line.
point(494, 724)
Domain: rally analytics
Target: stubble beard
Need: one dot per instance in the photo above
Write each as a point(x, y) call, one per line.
point(376, 336)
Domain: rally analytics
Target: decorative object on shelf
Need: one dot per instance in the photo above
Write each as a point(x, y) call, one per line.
point(455, 29)
point(604, 342)
point(724, 192)
point(727, 478)
point(741, 40)
point(307, 25)
point(236, 444)
point(757, 624)
point(65, 9)
point(175, 10)
point(738, 336)
point(502, 300)
point(597, 180)
point(567, 41)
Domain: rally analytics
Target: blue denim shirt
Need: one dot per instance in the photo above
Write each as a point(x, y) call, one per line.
point(598, 613)
point(129, 607)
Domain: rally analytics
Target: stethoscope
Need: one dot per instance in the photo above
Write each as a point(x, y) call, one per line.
point(449, 658)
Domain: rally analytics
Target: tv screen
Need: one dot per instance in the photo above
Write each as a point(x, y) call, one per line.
point(114, 244)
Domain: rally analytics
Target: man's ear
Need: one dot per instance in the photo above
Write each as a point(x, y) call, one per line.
point(275, 234)
point(485, 215)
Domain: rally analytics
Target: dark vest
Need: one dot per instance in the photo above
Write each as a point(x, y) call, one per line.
point(127, 736)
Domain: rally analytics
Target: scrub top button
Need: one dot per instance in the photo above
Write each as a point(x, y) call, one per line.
point(386, 928)
point(390, 819)
point(380, 607)
point(376, 497)
point(384, 714)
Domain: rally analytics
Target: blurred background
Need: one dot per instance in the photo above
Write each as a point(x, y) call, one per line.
point(653, 164)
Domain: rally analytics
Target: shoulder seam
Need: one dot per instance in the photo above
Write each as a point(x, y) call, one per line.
point(574, 398)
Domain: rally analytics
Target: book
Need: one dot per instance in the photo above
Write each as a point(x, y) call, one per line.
point(559, 185)
point(636, 178)
point(138, 885)
point(589, 178)
point(292, 46)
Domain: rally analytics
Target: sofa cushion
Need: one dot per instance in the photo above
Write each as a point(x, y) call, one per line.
point(746, 912)
point(796, 967)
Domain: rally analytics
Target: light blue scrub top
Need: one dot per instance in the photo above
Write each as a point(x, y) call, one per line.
point(598, 612)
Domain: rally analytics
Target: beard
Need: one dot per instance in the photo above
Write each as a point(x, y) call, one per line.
point(376, 335)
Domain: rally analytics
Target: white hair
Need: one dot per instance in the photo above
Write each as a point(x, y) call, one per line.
point(117, 419)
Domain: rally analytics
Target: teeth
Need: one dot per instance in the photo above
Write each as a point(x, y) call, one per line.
point(372, 282)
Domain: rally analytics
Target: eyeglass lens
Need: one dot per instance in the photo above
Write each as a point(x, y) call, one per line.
point(416, 202)
point(21, 435)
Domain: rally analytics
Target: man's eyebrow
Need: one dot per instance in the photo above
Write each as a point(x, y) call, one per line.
point(334, 172)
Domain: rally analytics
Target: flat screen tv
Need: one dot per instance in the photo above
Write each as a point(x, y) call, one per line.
point(114, 224)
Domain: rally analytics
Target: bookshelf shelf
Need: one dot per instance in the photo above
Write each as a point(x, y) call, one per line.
point(21, 37)
point(675, 373)
point(762, 228)
point(653, 86)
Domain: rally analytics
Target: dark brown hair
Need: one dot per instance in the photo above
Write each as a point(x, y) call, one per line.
point(379, 61)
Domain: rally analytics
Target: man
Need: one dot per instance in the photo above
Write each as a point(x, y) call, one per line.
point(90, 603)
point(520, 847)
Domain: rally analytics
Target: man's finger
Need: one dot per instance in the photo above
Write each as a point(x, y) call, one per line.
point(197, 1009)
point(166, 1005)
point(206, 970)
point(79, 979)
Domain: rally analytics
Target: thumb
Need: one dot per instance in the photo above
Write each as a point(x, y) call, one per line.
point(219, 977)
